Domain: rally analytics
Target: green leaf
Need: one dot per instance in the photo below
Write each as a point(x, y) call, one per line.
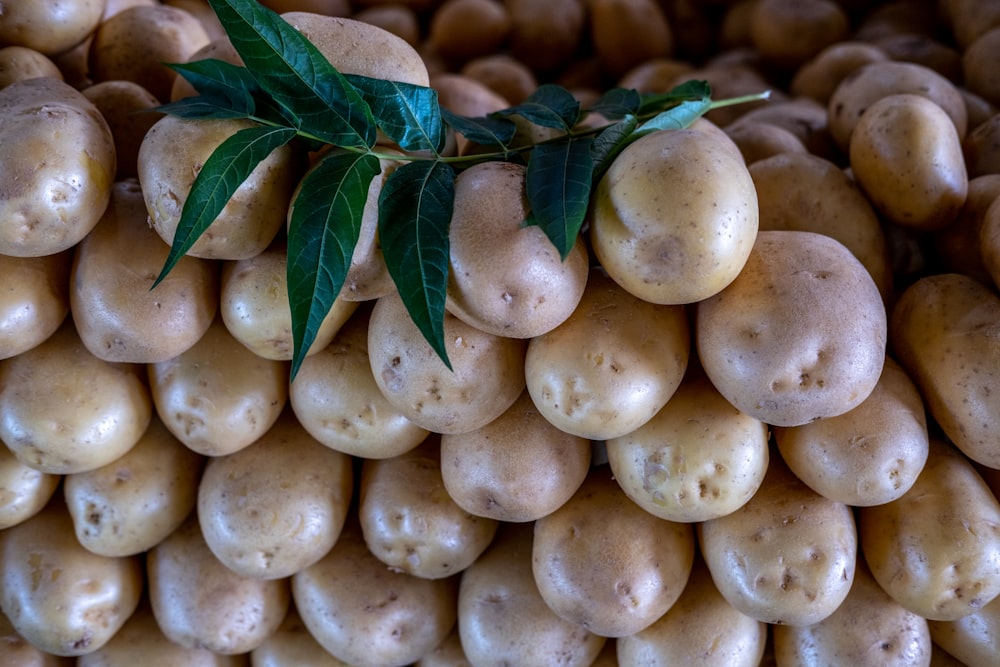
point(222, 174)
point(688, 91)
point(200, 107)
point(299, 78)
point(218, 79)
point(609, 143)
point(677, 118)
point(415, 208)
point(483, 130)
point(407, 113)
point(323, 230)
point(558, 181)
point(617, 103)
point(550, 105)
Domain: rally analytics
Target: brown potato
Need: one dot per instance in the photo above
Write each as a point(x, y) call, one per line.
point(819, 76)
point(411, 523)
point(982, 148)
point(200, 603)
point(924, 50)
point(127, 108)
point(626, 33)
point(291, 644)
point(509, 77)
point(49, 26)
point(133, 503)
point(398, 19)
point(936, 549)
point(989, 241)
point(979, 69)
point(505, 620)
point(959, 246)
point(758, 141)
point(545, 35)
point(802, 116)
point(604, 563)
point(20, 62)
point(517, 468)
point(787, 556)
point(64, 410)
point(35, 300)
point(277, 506)
point(788, 33)
point(656, 75)
point(366, 614)
point(118, 314)
point(973, 639)
point(60, 597)
point(464, 29)
point(24, 491)
point(699, 458)
point(800, 335)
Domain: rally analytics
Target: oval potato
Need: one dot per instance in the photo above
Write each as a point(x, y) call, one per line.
point(34, 301)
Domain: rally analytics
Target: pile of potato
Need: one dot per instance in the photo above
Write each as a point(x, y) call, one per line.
point(754, 417)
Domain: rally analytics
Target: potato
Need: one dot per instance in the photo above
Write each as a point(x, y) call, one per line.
point(959, 246)
point(699, 458)
point(907, 157)
point(64, 410)
point(546, 35)
point(809, 193)
point(974, 639)
point(758, 141)
point(133, 45)
point(364, 613)
point(604, 563)
point(511, 78)
point(199, 603)
point(411, 523)
point(969, 19)
point(464, 29)
point(34, 301)
point(979, 74)
point(506, 278)
point(62, 160)
point(989, 242)
point(49, 26)
point(802, 116)
point(517, 468)
point(675, 216)
point(448, 653)
point(611, 365)
point(131, 504)
point(119, 315)
point(944, 333)
point(869, 455)
point(787, 33)
point(218, 397)
point(19, 652)
point(170, 157)
point(982, 148)
point(277, 506)
point(291, 644)
point(20, 62)
point(505, 620)
point(732, 80)
point(787, 556)
point(700, 628)
point(60, 597)
point(625, 33)
point(869, 628)
point(486, 378)
point(800, 335)
point(24, 491)
point(924, 50)
point(127, 108)
point(936, 549)
point(819, 76)
point(255, 308)
point(398, 19)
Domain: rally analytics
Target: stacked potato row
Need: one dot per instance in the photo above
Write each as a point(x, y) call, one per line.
point(768, 434)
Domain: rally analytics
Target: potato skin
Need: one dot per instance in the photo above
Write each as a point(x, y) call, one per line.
point(292, 644)
point(974, 639)
point(936, 549)
point(34, 301)
point(49, 26)
point(24, 491)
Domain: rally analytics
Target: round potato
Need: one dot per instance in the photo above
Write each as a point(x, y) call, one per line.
point(34, 300)
point(675, 216)
point(800, 335)
point(49, 26)
point(758, 141)
point(625, 33)
point(787, 556)
point(508, 76)
point(936, 549)
point(24, 491)
point(20, 62)
point(60, 597)
point(612, 365)
point(820, 75)
point(699, 458)
point(21, 653)
point(398, 19)
point(464, 29)
point(545, 35)
point(291, 644)
point(963, 246)
point(974, 639)
point(787, 33)
point(277, 506)
point(127, 108)
point(517, 468)
point(61, 156)
point(979, 75)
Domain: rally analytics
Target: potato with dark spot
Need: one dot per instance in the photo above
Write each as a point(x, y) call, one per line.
point(974, 639)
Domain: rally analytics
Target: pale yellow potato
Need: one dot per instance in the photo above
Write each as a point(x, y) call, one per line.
point(200, 603)
point(127, 108)
point(49, 26)
point(60, 597)
point(448, 653)
point(936, 549)
point(517, 468)
point(869, 455)
point(606, 564)
point(24, 491)
point(944, 331)
point(170, 157)
point(61, 156)
point(809, 193)
point(201, 10)
point(973, 639)
point(368, 615)
point(292, 644)
point(277, 506)
point(699, 458)
point(141, 642)
point(255, 308)
point(787, 556)
point(700, 628)
point(34, 300)
point(336, 399)
point(486, 378)
point(20, 62)
point(218, 397)
point(869, 629)
point(119, 315)
point(819, 76)
point(504, 619)
point(675, 216)
point(611, 366)
point(409, 521)
point(131, 504)
point(19, 652)
point(800, 335)
point(907, 157)
point(64, 410)
point(787, 33)
point(758, 140)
